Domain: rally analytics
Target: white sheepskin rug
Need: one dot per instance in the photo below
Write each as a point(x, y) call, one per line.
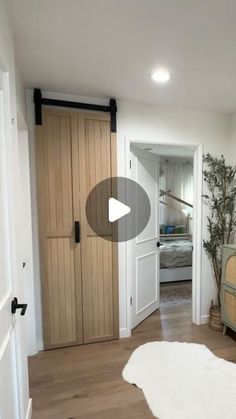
point(183, 381)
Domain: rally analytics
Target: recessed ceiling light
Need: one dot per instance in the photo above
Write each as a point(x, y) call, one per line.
point(161, 75)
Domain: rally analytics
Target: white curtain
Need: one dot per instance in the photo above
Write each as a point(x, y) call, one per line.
point(177, 177)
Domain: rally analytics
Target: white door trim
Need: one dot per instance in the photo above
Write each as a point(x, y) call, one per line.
point(197, 235)
point(197, 229)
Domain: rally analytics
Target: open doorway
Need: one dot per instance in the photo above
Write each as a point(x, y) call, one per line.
point(178, 237)
point(176, 191)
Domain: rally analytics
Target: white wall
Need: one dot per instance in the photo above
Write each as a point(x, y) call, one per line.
point(146, 123)
point(16, 104)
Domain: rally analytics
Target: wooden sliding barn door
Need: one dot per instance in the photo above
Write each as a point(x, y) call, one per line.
point(75, 150)
point(60, 257)
point(95, 160)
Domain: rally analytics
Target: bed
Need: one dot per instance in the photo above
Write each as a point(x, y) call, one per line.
point(175, 258)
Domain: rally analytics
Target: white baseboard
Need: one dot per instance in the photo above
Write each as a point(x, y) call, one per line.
point(205, 319)
point(125, 333)
point(29, 410)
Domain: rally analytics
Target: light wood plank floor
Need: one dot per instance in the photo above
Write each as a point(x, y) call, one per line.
point(85, 381)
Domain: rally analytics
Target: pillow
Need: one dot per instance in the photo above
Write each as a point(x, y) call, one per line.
point(162, 228)
point(180, 229)
point(170, 229)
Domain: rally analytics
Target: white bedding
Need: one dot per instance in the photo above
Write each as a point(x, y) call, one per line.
point(176, 254)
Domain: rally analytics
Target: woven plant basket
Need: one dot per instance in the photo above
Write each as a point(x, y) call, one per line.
point(215, 319)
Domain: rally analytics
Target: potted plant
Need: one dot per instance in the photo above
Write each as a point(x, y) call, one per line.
point(220, 180)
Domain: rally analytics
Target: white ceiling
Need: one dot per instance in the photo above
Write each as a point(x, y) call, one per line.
point(167, 150)
point(108, 48)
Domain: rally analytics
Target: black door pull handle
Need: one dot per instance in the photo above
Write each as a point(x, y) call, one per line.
point(159, 244)
point(77, 232)
point(15, 306)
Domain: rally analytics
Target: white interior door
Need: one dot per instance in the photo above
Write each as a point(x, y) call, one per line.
point(145, 253)
point(14, 396)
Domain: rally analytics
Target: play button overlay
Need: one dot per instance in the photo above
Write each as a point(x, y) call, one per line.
point(117, 209)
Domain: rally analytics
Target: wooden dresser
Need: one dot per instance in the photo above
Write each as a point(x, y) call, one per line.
point(228, 292)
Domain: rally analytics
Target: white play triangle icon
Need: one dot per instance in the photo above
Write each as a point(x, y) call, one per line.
point(116, 209)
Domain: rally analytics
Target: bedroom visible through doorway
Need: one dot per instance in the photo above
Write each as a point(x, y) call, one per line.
point(162, 275)
point(176, 226)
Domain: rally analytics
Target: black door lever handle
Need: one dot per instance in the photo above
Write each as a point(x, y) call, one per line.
point(159, 244)
point(77, 232)
point(15, 306)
